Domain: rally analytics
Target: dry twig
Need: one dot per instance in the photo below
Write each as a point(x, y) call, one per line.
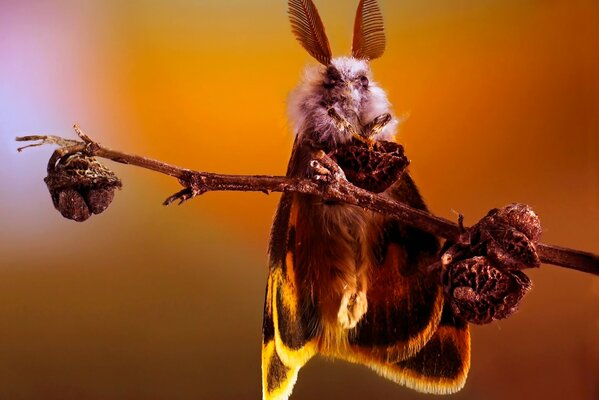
point(327, 184)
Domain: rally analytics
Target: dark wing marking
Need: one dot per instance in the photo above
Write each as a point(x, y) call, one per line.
point(442, 366)
point(277, 248)
point(285, 349)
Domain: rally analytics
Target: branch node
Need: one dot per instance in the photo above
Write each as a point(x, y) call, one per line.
point(194, 185)
point(45, 139)
point(81, 134)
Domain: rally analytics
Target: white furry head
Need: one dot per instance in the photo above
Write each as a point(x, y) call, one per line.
point(346, 87)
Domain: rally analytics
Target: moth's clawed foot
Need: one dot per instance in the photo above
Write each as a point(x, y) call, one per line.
point(353, 307)
point(324, 169)
point(194, 186)
point(319, 173)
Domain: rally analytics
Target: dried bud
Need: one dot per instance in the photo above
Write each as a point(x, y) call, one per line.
point(481, 293)
point(71, 204)
point(511, 249)
point(521, 217)
point(99, 199)
point(373, 169)
point(510, 235)
point(80, 186)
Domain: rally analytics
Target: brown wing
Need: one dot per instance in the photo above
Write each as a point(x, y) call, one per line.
point(290, 320)
point(406, 335)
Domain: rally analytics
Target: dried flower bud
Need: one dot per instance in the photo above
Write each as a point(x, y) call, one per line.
point(481, 293)
point(80, 186)
point(71, 204)
point(511, 249)
point(521, 217)
point(510, 235)
point(373, 169)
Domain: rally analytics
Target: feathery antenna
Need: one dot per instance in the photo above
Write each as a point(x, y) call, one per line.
point(309, 30)
point(369, 31)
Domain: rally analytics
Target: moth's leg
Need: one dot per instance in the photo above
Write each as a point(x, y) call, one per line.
point(341, 122)
point(345, 126)
point(376, 125)
point(323, 168)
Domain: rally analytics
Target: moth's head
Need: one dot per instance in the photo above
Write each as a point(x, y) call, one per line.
point(345, 87)
point(339, 96)
point(345, 82)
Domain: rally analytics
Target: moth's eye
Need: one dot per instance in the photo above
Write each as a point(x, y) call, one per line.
point(364, 81)
point(329, 83)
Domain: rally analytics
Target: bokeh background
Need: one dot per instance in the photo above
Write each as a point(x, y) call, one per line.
point(148, 302)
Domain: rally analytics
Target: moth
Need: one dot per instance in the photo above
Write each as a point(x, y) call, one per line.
point(345, 282)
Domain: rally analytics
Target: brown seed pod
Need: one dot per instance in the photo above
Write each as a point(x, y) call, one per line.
point(481, 293)
point(521, 217)
point(80, 186)
point(510, 235)
point(511, 249)
point(373, 169)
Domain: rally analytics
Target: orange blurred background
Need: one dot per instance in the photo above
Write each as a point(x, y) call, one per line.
point(148, 302)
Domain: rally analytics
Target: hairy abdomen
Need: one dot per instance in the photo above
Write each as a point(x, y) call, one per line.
point(332, 260)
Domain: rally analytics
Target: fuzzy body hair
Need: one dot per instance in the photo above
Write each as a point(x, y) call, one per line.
point(309, 103)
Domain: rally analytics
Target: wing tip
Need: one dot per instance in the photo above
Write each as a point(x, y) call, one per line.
point(278, 379)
